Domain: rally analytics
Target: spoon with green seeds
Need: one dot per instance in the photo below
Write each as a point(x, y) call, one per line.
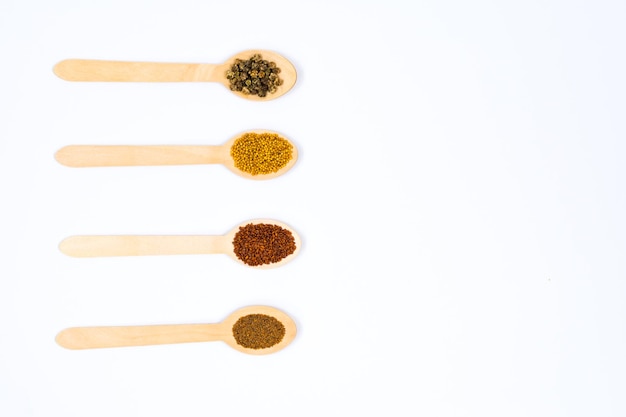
point(254, 74)
point(256, 330)
point(254, 154)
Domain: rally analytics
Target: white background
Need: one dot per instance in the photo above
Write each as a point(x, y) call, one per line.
point(459, 192)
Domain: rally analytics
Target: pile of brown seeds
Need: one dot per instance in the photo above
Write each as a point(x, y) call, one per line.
point(261, 153)
point(258, 331)
point(254, 76)
point(263, 244)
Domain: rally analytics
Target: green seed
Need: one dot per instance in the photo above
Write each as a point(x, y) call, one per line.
point(257, 69)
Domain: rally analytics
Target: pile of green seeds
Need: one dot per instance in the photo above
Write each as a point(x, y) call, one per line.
point(254, 76)
point(258, 331)
point(263, 244)
point(261, 153)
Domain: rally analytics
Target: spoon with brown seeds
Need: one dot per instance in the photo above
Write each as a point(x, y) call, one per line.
point(259, 243)
point(125, 71)
point(254, 154)
point(256, 330)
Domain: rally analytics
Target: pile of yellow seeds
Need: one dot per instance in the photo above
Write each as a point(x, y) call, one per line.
point(261, 153)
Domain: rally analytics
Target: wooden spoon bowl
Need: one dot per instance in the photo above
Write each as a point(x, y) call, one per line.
point(124, 155)
point(127, 245)
point(124, 71)
point(124, 336)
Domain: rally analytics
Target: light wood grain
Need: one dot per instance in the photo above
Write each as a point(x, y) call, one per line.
point(121, 71)
point(77, 338)
point(119, 336)
point(98, 246)
point(124, 155)
point(125, 71)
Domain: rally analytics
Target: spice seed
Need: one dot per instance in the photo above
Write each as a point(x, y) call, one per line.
point(254, 76)
point(262, 244)
point(261, 153)
point(258, 331)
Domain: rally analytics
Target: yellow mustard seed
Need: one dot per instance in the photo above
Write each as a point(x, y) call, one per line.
point(261, 153)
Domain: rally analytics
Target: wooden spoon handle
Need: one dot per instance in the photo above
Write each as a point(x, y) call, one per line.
point(104, 337)
point(97, 70)
point(95, 246)
point(101, 156)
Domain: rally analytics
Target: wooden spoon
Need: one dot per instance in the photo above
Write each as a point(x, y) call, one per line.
point(122, 336)
point(99, 246)
point(100, 70)
point(115, 155)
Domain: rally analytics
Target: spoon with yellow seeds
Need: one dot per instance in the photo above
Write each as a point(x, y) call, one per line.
point(254, 74)
point(255, 154)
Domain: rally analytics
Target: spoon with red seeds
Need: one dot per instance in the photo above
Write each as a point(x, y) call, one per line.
point(258, 243)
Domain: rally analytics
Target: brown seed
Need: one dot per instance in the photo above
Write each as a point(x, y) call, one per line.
point(263, 244)
point(258, 331)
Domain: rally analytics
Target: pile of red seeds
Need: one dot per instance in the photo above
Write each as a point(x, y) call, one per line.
point(263, 244)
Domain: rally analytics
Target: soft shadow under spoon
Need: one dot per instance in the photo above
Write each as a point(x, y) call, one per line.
point(259, 243)
point(279, 149)
point(124, 71)
point(256, 330)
